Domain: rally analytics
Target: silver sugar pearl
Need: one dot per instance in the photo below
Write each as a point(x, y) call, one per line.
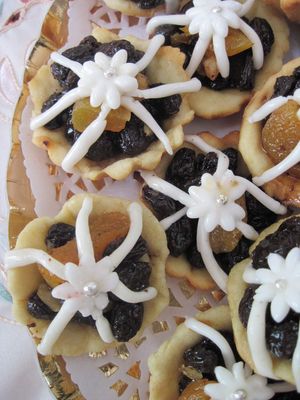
point(239, 394)
point(216, 10)
point(222, 199)
point(280, 284)
point(90, 289)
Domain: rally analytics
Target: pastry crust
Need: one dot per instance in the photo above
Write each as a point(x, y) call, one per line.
point(128, 7)
point(179, 267)
point(164, 365)
point(211, 104)
point(291, 8)
point(77, 339)
point(236, 288)
point(43, 85)
point(285, 188)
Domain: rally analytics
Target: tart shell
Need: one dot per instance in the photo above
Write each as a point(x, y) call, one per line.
point(159, 71)
point(285, 188)
point(77, 339)
point(179, 267)
point(210, 104)
point(291, 8)
point(164, 365)
point(236, 288)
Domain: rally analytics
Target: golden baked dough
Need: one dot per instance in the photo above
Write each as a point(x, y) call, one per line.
point(23, 282)
point(179, 267)
point(285, 188)
point(159, 71)
point(236, 288)
point(291, 8)
point(164, 365)
point(211, 104)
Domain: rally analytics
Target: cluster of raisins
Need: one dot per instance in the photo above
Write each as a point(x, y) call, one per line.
point(148, 4)
point(286, 85)
point(125, 319)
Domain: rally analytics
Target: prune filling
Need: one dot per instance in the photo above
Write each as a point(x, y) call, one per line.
point(148, 4)
point(204, 357)
point(125, 318)
point(286, 85)
point(242, 71)
point(134, 138)
point(281, 337)
point(185, 170)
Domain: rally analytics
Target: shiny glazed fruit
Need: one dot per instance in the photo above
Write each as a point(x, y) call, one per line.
point(195, 391)
point(281, 134)
point(84, 114)
point(104, 229)
point(236, 42)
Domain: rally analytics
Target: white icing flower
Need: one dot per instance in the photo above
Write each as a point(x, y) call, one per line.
point(110, 82)
point(294, 157)
point(213, 203)
point(87, 284)
point(279, 285)
point(238, 384)
point(211, 20)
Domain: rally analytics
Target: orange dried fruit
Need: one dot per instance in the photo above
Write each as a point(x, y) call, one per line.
point(281, 134)
point(195, 391)
point(236, 42)
point(104, 229)
point(84, 114)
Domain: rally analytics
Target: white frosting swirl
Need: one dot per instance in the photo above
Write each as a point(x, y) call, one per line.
point(213, 203)
point(111, 82)
point(86, 285)
point(211, 20)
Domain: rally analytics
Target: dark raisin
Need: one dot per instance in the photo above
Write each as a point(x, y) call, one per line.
point(133, 140)
point(135, 275)
point(180, 236)
point(138, 251)
point(125, 320)
point(296, 73)
point(186, 184)
point(148, 4)
point(242, 72)
point(228, 260)
point(284, 86)
point(265, 33)
point(282, 338)
point(59, 234)
point(105, 147)
point(80, 319)
point(168, 31)
point(194, 257)
point(246, 304)
point(38, 309)
point(162, 206)
point(61, 118)
point(232, 154)
point(183, 383)
point(210, 163)
point(258, 216)
point(111, 48)
point(182, 166)
point(164, 107)
point(218, 84)
point(280, 242)
point(286, 396)
point(204, 357)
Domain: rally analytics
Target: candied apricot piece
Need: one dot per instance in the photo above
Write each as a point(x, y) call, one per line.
point(104, 229)
point(195, 391)
point(236, 42)
point(84, 114)
point(281, 134)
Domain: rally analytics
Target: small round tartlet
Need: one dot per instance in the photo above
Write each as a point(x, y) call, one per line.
point(291, 8)
point(78, 338)
point(286, 187)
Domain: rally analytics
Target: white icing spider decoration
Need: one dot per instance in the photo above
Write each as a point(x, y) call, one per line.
point(235, 381)
point(211, 20)
point(280, 286)
point(213, 203)
point(111, 82)
point(294, 157)
point(86, 285)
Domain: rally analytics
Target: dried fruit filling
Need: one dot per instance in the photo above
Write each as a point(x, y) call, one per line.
point(238, 46)
point(281, 337)
point(107, 231)
point(281, 131)
point(185, 170)
point(148, 4)
point(125, 134)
